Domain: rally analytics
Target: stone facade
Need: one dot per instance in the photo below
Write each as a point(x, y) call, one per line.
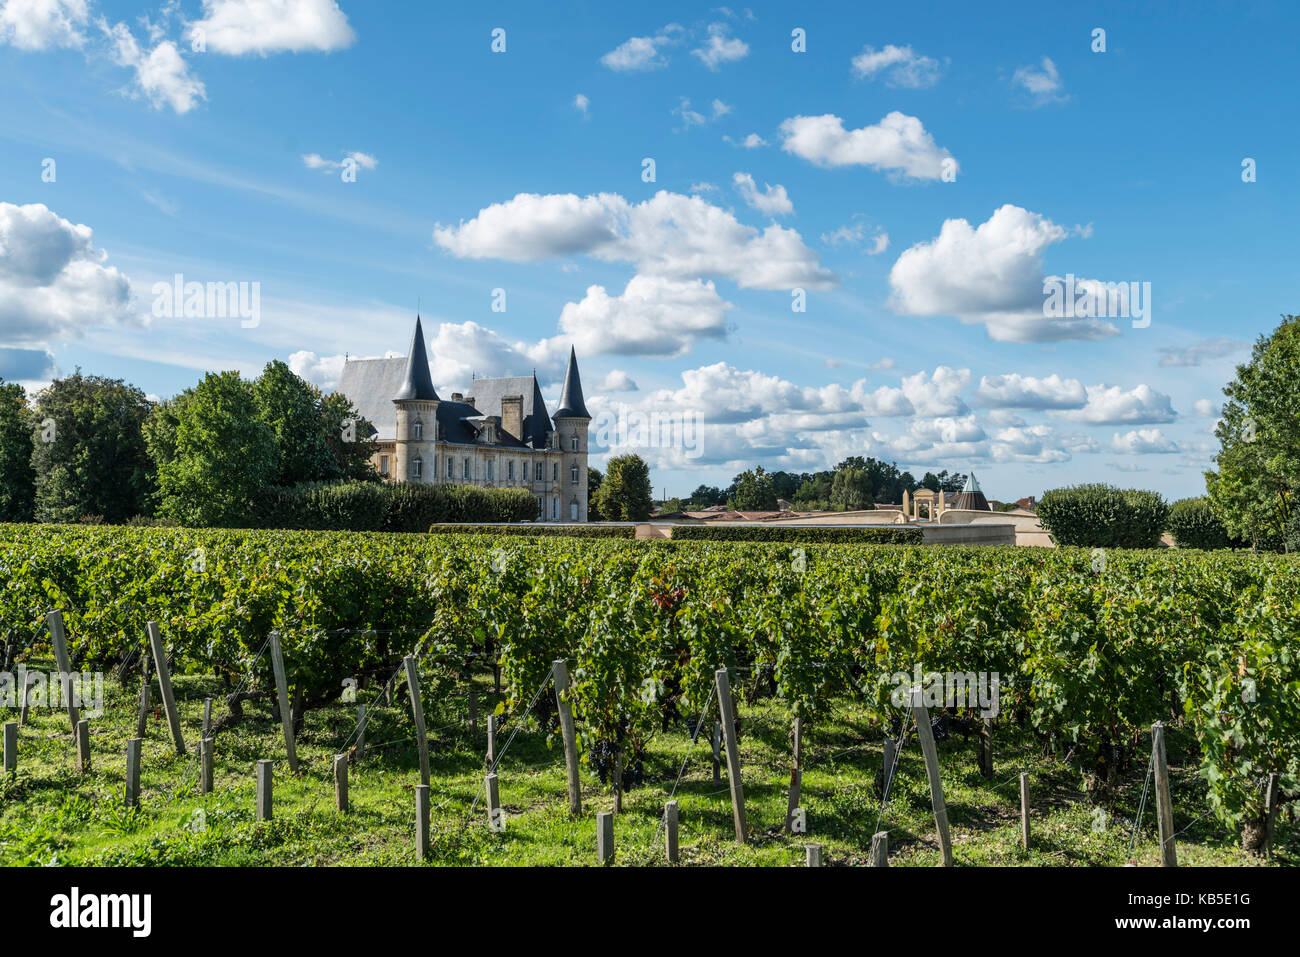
point(500, 435)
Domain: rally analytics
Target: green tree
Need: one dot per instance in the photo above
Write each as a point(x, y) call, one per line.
point(706, 495)
point(624, 494)
point(1258, 466)
point(215, 455)
point(349, 437)
point(851, 489)
point(17, 480)
point(815, 492)
point(754, 492)
point(89, 454)
point(293, 409)
point(594, 480)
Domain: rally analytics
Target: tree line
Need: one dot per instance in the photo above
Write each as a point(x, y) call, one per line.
point(858, 482)
point(90, 449)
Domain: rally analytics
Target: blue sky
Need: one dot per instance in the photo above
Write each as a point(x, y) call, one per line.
point(916, 171)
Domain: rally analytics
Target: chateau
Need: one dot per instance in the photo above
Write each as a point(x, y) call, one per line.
point(499, 435)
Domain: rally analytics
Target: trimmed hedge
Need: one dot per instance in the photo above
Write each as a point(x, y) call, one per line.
point(568, 531)
point(797, 533)
point(1103, 516)
point(1193, 524)
point(377, 507)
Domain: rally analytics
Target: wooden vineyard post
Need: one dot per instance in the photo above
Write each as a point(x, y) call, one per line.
point(796, 776)
point(264, 784)
point(1164, 805)
point(1270, 811)
point(496, 816)
point(560, 676)
point(11, 747)
point(986, 748)
point(670, 832)
point(723, 684)
point(60, 642)
point(421, 821)
point(83, 746)
point(361, 731)
point(717, 753)
point(207, 717)
point(491, 758)
point(1024, 811)
point(926, 737)
point(206, 747)
point(604, 837)
point(341, 782)
point(282, 696)
point(27, 699)
point(133, 772)
point(879, 849)
point(417, 708)
point(165, 685)
point(142, 713)
point(887, 771)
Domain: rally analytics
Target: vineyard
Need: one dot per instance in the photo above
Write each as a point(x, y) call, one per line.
point(1090, 649)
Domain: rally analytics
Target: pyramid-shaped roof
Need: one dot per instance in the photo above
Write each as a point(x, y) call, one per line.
point(571, 404)
point(418, 382)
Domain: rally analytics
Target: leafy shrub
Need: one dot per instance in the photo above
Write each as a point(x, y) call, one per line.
point(1103, 516)
point(568, 531)
point(375, 507)
point(1193, 524)
point(796, 533)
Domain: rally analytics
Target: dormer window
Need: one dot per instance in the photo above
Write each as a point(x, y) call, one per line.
point(419, 430)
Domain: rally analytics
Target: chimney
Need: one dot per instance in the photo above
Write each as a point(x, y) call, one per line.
point(512, 415)
point(457, 397)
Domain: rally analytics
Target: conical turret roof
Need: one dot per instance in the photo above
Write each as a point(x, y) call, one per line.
point(571, 404)
point(418, 382)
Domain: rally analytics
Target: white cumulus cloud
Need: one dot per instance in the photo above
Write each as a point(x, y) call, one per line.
point(162, 75)
point(669, 235)
point(43, 24)
point(899, 65)
point(239, 27)
point(1113, 405)
point(720, 47)
point(653, 316)
point(897, 144)
point(771, 200)
point(53, 280)
point(990, 274)
point(1142, 442)
point(1014, 391)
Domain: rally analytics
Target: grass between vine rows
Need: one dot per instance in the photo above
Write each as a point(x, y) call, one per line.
point(50, 814)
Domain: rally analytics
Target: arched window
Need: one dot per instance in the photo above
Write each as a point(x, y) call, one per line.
point(573, 510)
point(555, 508)
point(575, 443)
point(419, 430)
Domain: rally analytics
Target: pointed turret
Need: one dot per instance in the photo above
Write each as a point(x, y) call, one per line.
point(417, 383)
point(571, 404)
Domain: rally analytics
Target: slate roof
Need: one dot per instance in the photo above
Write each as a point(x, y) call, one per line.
point(571, 404)
point(417, 382)
point(372, 384)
